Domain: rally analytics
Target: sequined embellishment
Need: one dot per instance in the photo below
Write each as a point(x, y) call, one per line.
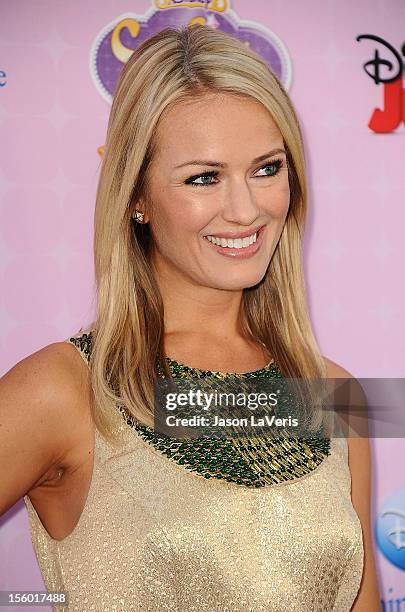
point(84, 343)
point(267, 461)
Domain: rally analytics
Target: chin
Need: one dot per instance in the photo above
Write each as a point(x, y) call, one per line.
point(238, 282)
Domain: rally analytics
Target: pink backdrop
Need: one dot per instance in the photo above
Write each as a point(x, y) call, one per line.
point(53, 119)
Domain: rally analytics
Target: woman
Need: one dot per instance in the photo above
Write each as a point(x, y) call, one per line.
point(199, 216)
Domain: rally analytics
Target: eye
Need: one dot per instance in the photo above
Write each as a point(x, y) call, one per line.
point(273, 166)
point(206, 175)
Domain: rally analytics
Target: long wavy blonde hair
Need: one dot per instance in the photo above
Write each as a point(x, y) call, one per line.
point(128, 332)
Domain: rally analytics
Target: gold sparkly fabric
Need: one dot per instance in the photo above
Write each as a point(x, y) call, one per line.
point(189, 528)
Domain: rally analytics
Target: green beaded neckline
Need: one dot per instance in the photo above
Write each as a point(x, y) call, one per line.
point(180, 370)
point(257, 463)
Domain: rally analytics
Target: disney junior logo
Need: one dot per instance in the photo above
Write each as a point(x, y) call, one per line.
point(387, 70)
point(390, 529)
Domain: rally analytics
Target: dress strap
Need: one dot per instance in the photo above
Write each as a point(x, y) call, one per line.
point(83, 342)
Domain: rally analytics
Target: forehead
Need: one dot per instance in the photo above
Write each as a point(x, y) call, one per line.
point(216, 123)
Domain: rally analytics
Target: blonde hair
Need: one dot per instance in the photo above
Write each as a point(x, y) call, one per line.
point(173, 66)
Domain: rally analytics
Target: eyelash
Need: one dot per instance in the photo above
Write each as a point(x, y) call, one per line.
point(214, 173)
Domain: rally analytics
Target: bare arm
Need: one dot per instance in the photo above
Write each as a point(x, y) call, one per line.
point(368, 597)
point(38, 397)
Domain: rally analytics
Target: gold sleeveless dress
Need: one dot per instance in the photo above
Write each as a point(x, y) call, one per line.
point(170, 526)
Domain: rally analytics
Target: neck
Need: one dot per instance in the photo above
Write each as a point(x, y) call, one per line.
point(190, 308)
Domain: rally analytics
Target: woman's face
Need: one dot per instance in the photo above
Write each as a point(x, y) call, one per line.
point(219, 173)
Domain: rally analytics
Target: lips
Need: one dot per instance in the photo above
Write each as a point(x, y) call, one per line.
point(235, 235)
point(239, 252)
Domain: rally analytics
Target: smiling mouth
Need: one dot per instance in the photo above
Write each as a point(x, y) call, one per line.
point(242, 242)
point(237, 248)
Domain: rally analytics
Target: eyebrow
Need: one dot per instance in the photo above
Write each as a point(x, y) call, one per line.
point(199, 162)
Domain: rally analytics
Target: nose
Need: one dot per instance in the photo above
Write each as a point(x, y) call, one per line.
point(240, 205)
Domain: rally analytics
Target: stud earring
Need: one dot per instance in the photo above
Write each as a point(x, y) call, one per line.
point(139, 215)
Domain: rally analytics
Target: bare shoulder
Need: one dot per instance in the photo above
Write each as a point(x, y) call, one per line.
point(44, 413)
point(64, 385)
point(334, 370)
point(52, 376)
point(354, 394)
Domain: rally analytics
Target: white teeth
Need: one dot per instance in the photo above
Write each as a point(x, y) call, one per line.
point(238, 243)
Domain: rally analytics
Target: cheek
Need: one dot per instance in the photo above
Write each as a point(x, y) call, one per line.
point(276, 201)
point(175, 216)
